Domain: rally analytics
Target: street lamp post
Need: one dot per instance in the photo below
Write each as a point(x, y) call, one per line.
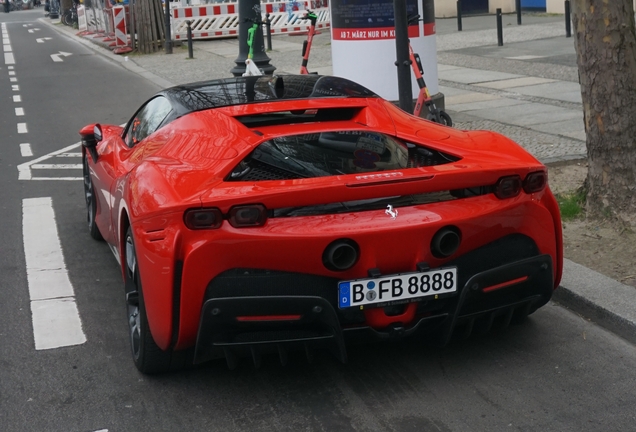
point(403, 62)
point(249, 12)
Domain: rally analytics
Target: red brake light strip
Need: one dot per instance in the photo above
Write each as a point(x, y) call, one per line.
point(505, 284)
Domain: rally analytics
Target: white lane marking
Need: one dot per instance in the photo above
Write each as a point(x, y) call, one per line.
point(13, 79)
point(15, 87)
point(22, 128)
point(41, 40)
point(7, 48)
point(56, 166)
point(56, 324)
point(24, 169)
point(11, 73)
point(78, 155)
point(54, 178)
point(17, 98)
point(25, 150)
point(58, 57)
point(10, 67)
point(19, 112)
point(9, 59)
point(56, 320)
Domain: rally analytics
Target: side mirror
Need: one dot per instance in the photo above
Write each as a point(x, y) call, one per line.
point(90, 137)
point(97, 133)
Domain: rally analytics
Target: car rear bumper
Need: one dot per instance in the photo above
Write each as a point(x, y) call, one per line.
point(301, 315)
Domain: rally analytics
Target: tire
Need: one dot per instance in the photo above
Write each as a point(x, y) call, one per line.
point(91, 202)
point(443, 116)
point(147, 356)
point(67, 19)
point(446, 119)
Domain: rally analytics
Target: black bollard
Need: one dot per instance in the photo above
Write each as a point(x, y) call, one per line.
point(168, 40)
point(190, 54)
point(499, 28)
point(459, 15)
point(403, 62)
point(568, 21)
point(268, 30)
point(518, 7)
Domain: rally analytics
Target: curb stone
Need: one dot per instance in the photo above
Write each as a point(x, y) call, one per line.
point(605, 301)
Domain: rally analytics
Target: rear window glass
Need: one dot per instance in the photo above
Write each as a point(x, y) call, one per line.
point(332, 153)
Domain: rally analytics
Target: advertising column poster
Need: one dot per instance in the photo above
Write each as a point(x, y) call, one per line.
point(363, 41)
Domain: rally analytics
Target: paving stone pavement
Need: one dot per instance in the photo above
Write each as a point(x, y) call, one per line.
point(548, 148)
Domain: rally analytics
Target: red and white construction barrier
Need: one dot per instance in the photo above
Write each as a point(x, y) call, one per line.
point(207, 21)
point(121, 34)
point(81, 19)
point(216, 21)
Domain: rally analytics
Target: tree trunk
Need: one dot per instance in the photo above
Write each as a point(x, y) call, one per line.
point(606, 57)
point(149, 25)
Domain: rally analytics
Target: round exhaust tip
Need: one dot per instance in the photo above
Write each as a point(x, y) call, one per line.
point(445, 242)
point(341, 255)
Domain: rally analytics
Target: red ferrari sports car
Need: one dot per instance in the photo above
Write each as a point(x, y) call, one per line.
point(266, 214)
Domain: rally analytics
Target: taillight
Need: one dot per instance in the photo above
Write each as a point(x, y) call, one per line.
point(252, 215)
point(208, 218)
point(508, 187)
point(535, 182)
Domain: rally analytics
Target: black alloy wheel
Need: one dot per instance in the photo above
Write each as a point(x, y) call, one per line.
point(91, 203)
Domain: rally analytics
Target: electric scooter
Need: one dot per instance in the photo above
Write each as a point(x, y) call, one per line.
point(312, 17)
point(424, 98)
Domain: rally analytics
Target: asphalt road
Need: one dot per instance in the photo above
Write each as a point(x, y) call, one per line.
point(556, 372)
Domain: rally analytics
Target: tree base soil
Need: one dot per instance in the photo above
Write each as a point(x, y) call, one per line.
point(596, 244)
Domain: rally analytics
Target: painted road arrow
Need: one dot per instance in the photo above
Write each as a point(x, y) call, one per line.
point(58, 57)
point(41, 40)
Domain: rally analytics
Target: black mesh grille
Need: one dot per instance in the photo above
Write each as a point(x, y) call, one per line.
point(425, 158)
point(260, 171)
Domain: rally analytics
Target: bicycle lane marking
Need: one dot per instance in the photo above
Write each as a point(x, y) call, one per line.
point(55, 316)
point(25, 148)
point(6, 46)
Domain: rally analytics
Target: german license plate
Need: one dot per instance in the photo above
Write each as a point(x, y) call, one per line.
point(400, 288)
